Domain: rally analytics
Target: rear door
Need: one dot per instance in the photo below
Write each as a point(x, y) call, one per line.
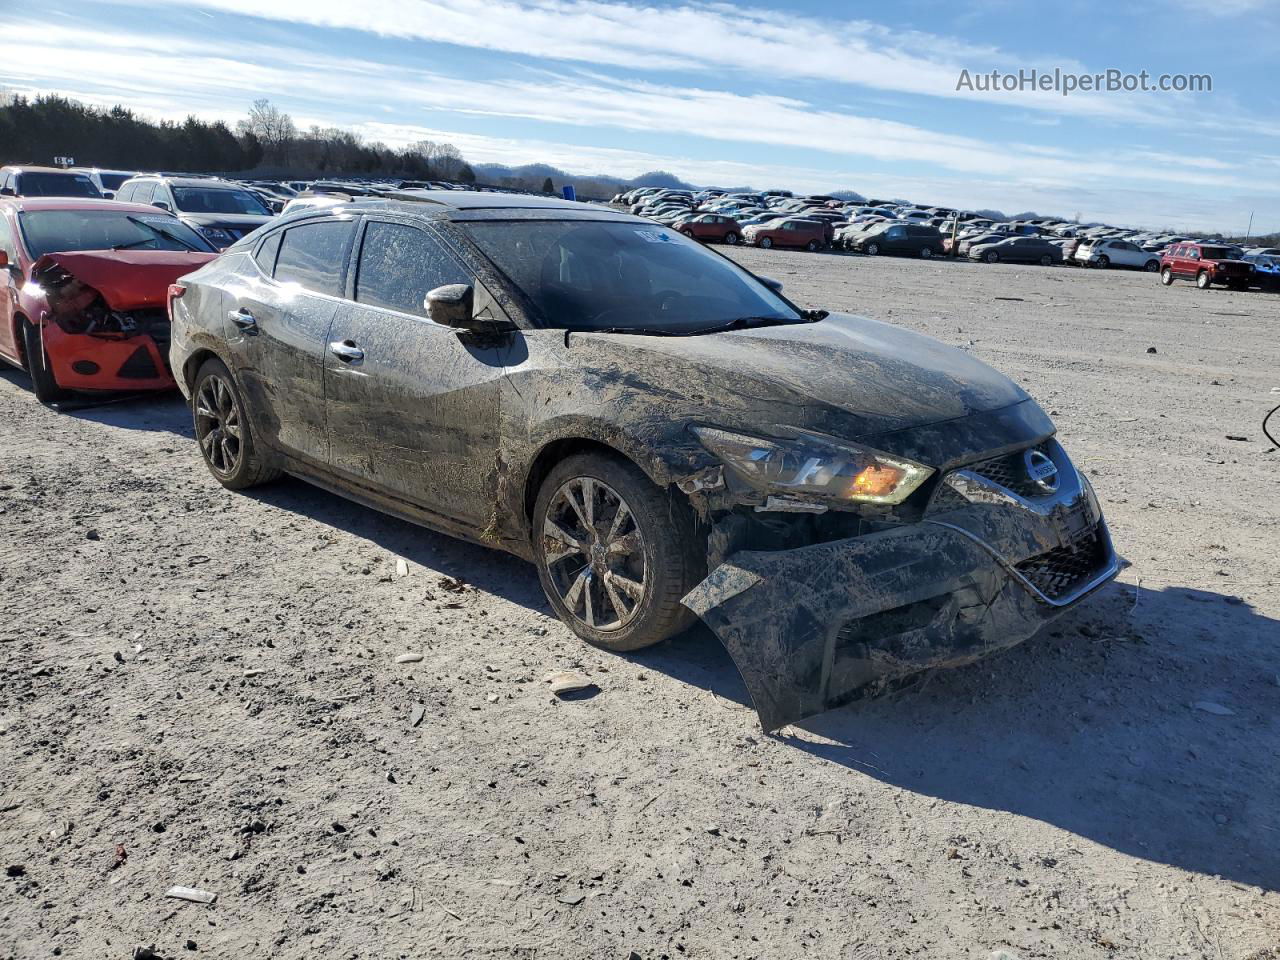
point(413, 406)
point(277, 326)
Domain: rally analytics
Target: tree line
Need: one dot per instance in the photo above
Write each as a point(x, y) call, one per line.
point(266, 143)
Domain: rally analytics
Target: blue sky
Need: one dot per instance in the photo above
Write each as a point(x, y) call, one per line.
point(809, 96)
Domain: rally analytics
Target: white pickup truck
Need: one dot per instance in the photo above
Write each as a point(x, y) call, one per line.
point(1116, 253)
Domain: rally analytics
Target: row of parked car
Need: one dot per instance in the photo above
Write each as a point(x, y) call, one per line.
point(220, 210)
point(776, 218)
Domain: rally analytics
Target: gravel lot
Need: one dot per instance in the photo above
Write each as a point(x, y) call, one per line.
point(199, 687)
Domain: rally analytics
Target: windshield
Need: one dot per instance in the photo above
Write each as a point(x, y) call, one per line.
point(56, 185)
point(1218, 253)
point(585, 275)
point(112, 181)
point(61, 231)
point(218, 200)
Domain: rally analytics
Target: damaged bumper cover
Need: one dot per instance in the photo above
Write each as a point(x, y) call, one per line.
point(816, 627)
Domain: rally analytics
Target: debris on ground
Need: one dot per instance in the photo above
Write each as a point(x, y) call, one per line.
point(409, 658)
point(566, 682)
point(191, 894)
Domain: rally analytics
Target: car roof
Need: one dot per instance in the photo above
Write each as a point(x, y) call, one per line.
point(214, 182)
point(471, 205)
point(32, 168)
point(78, 203)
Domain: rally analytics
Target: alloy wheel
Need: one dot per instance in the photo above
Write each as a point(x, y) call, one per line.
point(218, 427)
point(594, 552)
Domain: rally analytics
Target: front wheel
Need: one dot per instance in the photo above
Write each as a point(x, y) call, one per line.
point(222, 430)
point(872, 249)
point(1166, 277)
point(1104, 261)
point(43, 384)
point(1203, 280)
point(766, 243)
point(614, 553)
point(993, 257)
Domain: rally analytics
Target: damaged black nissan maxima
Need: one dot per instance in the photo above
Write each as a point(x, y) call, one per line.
point(661, 432)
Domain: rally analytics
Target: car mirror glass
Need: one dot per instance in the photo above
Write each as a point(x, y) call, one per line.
point(453, 305)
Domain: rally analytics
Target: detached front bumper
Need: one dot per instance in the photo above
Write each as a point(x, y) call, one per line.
point(84, 361)
point(816, 627)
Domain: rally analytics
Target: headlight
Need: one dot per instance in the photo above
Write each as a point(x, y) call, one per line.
point(216, 235)
point(814, 467)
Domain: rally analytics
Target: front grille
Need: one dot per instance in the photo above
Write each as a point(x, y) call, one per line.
point(139, 366)
point(1010, 472)
point(1064, 569)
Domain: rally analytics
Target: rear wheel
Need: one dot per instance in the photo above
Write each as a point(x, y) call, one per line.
point(614, 553)
point(871, 249)
point(222, 430)
point(1046, 261)
point(43, 384)
point(926, 253)
point(1151, 266)
point(811, 246)
point(731, 238)
point(1204, 280)
point(1166, 277)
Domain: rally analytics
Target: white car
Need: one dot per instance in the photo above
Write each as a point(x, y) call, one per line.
point(1116, 253)
point(107, 181)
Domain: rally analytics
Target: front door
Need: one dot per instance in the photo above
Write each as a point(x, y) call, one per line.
point(10, 281)
point(413, 406)
point(277, 328)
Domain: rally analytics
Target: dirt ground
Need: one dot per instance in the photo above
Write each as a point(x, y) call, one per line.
point(201, 688)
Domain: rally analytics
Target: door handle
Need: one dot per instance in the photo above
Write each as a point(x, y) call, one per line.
point(346, 351)
point(243, 319)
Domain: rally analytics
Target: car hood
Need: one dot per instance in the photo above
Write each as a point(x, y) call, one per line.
point(845, 376)
point(127, 279)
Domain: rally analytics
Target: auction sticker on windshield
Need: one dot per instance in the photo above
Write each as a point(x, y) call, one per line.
point(653, 236)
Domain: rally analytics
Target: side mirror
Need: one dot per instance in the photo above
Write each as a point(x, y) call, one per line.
point(453, 305)
point(108, 194)
point(7, 192)
point(772, 284)
point(162, 205)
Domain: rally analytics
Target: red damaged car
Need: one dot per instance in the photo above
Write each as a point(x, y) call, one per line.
point(83, 307)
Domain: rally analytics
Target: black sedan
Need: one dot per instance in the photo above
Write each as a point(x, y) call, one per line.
point(661, 432)
point(1018, 250)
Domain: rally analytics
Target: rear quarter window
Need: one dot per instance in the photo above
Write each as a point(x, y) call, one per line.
point(314, 256)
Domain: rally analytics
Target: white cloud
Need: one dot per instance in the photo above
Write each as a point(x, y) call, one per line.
point(698, 37)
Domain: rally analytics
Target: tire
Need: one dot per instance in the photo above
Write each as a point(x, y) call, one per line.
point(688, 233)
point(1204, 280)
point(871, 249)
point(1103, 262)
point(731, 238)
point(1166, 276)
point(43, 385)
point(992, 257)
point(1046, 261)
point(766, 242)
point(222, 430)
point(661, 569)
point(926, 253)
point(812, 246)
point(1151, 266)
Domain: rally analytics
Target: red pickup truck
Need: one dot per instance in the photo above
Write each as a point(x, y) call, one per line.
point(1206, 264)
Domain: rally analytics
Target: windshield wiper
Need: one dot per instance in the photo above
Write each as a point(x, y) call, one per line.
point(159, 231)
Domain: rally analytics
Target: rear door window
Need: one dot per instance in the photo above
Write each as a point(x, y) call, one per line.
point(314, 256)
point(144, 191)
point(266, 255)
point(400, 264)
